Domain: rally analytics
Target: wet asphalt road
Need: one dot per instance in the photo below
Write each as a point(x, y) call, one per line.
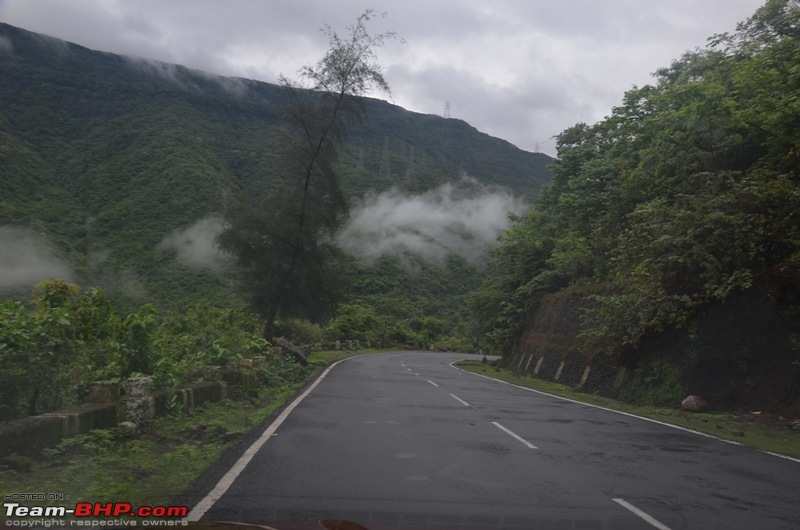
point(405, 440)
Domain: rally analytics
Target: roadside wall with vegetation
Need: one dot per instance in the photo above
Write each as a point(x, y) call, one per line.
point(131, 403)
point(55, 346)
point(712, 358)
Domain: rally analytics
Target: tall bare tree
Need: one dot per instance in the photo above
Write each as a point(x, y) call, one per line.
point(283, 243)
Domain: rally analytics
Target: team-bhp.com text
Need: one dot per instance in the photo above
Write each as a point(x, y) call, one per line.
point(87, 514)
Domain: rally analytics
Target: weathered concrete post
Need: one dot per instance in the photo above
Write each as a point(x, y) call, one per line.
point(558, 372)
point(139, 402)
point(538, 365)
point(585, 375)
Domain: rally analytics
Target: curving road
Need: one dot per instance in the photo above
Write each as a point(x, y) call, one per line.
point(405, 440)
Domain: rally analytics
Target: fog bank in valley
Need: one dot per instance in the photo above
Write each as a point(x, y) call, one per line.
point(196, 244)
point(26, 259)
point(462, 218)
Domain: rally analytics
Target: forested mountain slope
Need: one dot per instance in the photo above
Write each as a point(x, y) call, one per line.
point(105, 156)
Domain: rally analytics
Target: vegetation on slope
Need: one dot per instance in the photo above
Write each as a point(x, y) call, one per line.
point(53, 347)
point(105, 156)
point(684, 199)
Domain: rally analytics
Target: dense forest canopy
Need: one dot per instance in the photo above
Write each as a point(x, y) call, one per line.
point(688, 193)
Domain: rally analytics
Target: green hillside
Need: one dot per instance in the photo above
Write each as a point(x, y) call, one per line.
point(668, 242)
point(104, 156)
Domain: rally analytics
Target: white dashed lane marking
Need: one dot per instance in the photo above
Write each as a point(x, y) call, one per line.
point(460, 400)
point(514, 435)
point(639, 513)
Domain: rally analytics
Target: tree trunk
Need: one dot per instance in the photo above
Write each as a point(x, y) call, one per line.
point(269, 322)
point(33, 401)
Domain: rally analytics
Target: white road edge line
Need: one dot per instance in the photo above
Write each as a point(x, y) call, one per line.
point(651, 420)
point(514, 435)
point(630, 507)
point(434, 384)
point(460, 400)
point(225, 482)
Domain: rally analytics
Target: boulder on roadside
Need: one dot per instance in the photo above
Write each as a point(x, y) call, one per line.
point(694, 404)
point(129, 428)
point(296, 353)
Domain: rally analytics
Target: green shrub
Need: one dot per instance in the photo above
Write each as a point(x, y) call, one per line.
point(299, 331)
point(52, 348)
point(658, 382)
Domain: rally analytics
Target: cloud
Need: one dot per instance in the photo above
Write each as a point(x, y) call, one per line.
point(26, 259)
point(196, 245)
point(461, 218)
point(520, 70)
point(190, 79)
point(521, 114)
point(5, 46)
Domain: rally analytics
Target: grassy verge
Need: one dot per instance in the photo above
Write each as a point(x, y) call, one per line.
point(159, 462)
point(165, 458)
point(151, 467)
point(761, 431)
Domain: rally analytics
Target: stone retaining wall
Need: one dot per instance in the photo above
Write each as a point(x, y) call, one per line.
point(109, 405)
point(135, 401)
point(28, 436)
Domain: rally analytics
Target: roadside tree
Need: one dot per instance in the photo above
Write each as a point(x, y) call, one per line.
point(283, 243)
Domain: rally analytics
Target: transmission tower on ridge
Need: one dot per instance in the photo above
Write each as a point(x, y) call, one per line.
point(445, 129)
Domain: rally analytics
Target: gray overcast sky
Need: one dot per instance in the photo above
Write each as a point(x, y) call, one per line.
point(521, 70)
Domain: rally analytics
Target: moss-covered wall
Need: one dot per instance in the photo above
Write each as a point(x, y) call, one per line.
point(738, 354)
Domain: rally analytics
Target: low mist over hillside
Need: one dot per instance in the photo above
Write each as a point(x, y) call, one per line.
point(115, 170)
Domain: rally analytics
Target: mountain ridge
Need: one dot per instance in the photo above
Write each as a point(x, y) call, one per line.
point(106, 155)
